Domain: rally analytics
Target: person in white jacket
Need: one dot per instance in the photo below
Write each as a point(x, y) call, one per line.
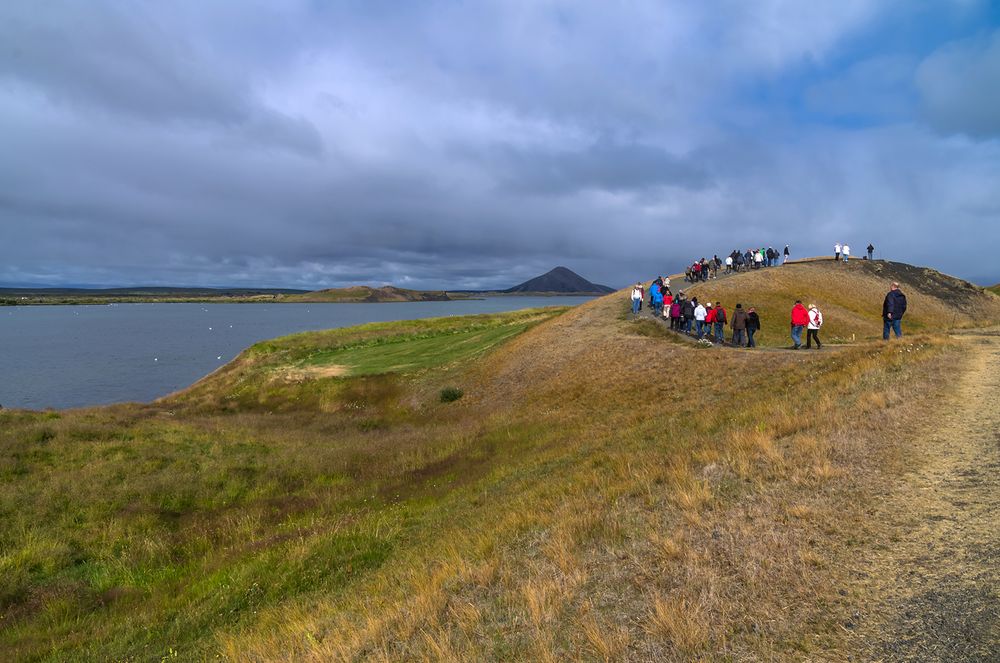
point(699, 318)
point(636, 298)
point(812, 329)
point(846, 252)
point(836, 251)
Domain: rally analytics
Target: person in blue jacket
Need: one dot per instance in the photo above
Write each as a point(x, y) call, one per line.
point(893, 309)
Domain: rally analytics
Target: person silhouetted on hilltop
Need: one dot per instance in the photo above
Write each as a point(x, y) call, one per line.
point(800, 318)
point(893, 309)
point(753, 326)
point(788, 252)
point(871, 252)
point(836, 252)
point(846, 252)
point(812, 328)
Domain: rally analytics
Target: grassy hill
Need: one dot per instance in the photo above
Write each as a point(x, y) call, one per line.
point(850, 296)
point(599, 492)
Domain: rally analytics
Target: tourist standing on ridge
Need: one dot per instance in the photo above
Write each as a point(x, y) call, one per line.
point(836, 252)
point(636, 298)
point(753, 326)
point(739, 325)
point(812, 331)
point(871, 251)
point(893, 309)
point(846, 252)
point(800, 318)
point(787, 253)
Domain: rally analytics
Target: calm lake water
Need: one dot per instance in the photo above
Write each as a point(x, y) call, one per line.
point(74, 356)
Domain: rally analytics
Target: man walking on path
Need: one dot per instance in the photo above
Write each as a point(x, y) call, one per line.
point(800, 318)
point(836, 252)
point(720, 323)
point(739, 324)
point(847, 252)
point(893, 309)
point(812, 330)
point(871, 252)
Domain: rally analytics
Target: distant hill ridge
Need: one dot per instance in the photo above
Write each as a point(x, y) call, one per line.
point(560, 280)
point(364, 293)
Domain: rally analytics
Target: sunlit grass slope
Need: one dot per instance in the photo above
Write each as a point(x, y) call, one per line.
point(850, 296)
point(596, 494)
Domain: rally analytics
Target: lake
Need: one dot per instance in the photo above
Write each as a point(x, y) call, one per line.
point(75, 356)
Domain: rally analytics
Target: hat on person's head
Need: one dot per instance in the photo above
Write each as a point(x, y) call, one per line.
point(708, 305)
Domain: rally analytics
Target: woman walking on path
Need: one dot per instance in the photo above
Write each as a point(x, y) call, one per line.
point(800, 318)
point(675, 314)
point(700, 312)
point(812, 331)
point(739, 325)
point(636, 298)
point(753, 326)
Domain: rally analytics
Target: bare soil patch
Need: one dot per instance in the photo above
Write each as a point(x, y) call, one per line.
point(935, 575)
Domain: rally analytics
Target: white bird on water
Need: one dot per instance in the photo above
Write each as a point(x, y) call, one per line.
point(219, 357)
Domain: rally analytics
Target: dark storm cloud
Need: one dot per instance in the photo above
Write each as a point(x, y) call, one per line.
point(475, 145)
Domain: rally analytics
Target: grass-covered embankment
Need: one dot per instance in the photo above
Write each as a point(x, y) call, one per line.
point(595, 494)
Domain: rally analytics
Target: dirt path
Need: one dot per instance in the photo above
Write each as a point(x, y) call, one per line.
point(936, 576)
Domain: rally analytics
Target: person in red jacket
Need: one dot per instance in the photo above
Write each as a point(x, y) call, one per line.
point(800, 318)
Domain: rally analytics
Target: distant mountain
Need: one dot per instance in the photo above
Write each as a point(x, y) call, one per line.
point(560, 280)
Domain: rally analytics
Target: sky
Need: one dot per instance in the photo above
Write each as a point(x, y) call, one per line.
point(451, 144)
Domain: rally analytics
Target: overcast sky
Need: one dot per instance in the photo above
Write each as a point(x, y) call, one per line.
point(477, 144)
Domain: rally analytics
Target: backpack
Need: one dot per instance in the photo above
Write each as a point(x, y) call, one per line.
point(720, 314)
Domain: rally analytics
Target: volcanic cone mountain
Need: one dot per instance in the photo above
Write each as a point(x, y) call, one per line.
point(560, 280)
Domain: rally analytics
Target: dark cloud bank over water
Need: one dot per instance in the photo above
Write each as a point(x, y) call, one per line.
point(474, 145)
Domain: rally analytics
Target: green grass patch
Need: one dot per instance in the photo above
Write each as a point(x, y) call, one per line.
point(407, 354)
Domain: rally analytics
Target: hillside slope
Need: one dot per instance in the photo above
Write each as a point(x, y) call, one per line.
point(850, 296)
point(599, 492)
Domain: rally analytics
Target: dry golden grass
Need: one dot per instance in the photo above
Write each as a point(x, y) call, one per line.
point(596, 495)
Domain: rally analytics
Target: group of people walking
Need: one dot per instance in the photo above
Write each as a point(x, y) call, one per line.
point(738, 261)
point(707, 320)
point(697, 319)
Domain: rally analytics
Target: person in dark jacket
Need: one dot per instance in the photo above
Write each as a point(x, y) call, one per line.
point(871, 251)
point(753, 326)
point(687, 313)
point(739, 325)
point(893, 309)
